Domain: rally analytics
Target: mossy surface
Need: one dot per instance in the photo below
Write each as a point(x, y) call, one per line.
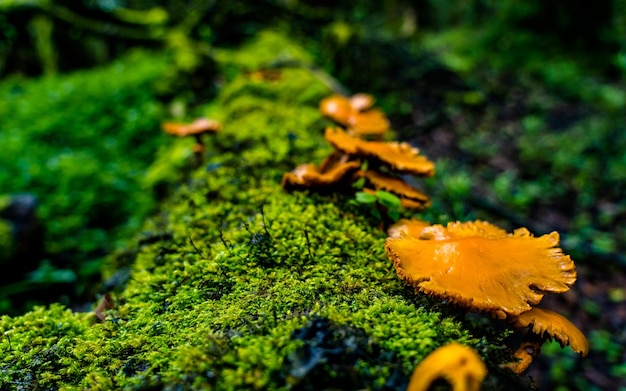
point(233, 272)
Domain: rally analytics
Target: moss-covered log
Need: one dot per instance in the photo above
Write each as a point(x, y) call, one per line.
point(237, 284)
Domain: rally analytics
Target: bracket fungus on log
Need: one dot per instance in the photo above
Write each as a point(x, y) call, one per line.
point(458, 364)
point(356, 113)
point(482, 268)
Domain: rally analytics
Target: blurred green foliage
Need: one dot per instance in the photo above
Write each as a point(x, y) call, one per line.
point(80, 144)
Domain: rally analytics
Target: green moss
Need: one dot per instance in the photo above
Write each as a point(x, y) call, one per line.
point(236, 266)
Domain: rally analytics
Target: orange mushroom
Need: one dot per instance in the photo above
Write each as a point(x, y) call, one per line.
point(458, 364)
point(196, 129)
point(546, 324)
point(332, 171)
point(199, 126)
point(479, 266)
point(371, 123)
point(356, 113)
point(400, 157)
point(337, 107)
point(410, 197)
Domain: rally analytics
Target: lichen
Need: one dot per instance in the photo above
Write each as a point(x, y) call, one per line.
point(234, 268)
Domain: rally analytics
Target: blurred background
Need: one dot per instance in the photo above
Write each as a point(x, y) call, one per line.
point(521, 104)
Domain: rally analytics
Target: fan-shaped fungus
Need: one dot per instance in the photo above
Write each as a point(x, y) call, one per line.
point(356, 113)
point(459, 365)
point(546, 324)
point(479, 266)
point(400, 157)
point(196, 128)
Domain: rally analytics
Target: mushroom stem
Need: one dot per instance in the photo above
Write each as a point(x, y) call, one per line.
point(525, 354)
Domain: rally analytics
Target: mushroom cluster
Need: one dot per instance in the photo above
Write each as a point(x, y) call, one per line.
point(380, 165)
point(482, 268)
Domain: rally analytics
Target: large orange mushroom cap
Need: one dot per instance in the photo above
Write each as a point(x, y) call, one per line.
point(400, 157)
point(458, 364)
point(478, 266)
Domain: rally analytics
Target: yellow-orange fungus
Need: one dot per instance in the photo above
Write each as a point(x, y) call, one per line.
point(479, 266)
point(549, 324)
point(308, 175)
point(337, 108)
point(400, 157)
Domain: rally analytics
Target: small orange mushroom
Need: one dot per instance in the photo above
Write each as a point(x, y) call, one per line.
point(400, 157)
point(332, 171)
point(479, 266)
point(458, 364)
point(337, 107)
point(356, 113)
point(196, 129)
point(370, 123)
point(545, 324)
point(308, 175)
point(199, 126)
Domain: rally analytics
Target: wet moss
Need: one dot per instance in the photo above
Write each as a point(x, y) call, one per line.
point(236, 269)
